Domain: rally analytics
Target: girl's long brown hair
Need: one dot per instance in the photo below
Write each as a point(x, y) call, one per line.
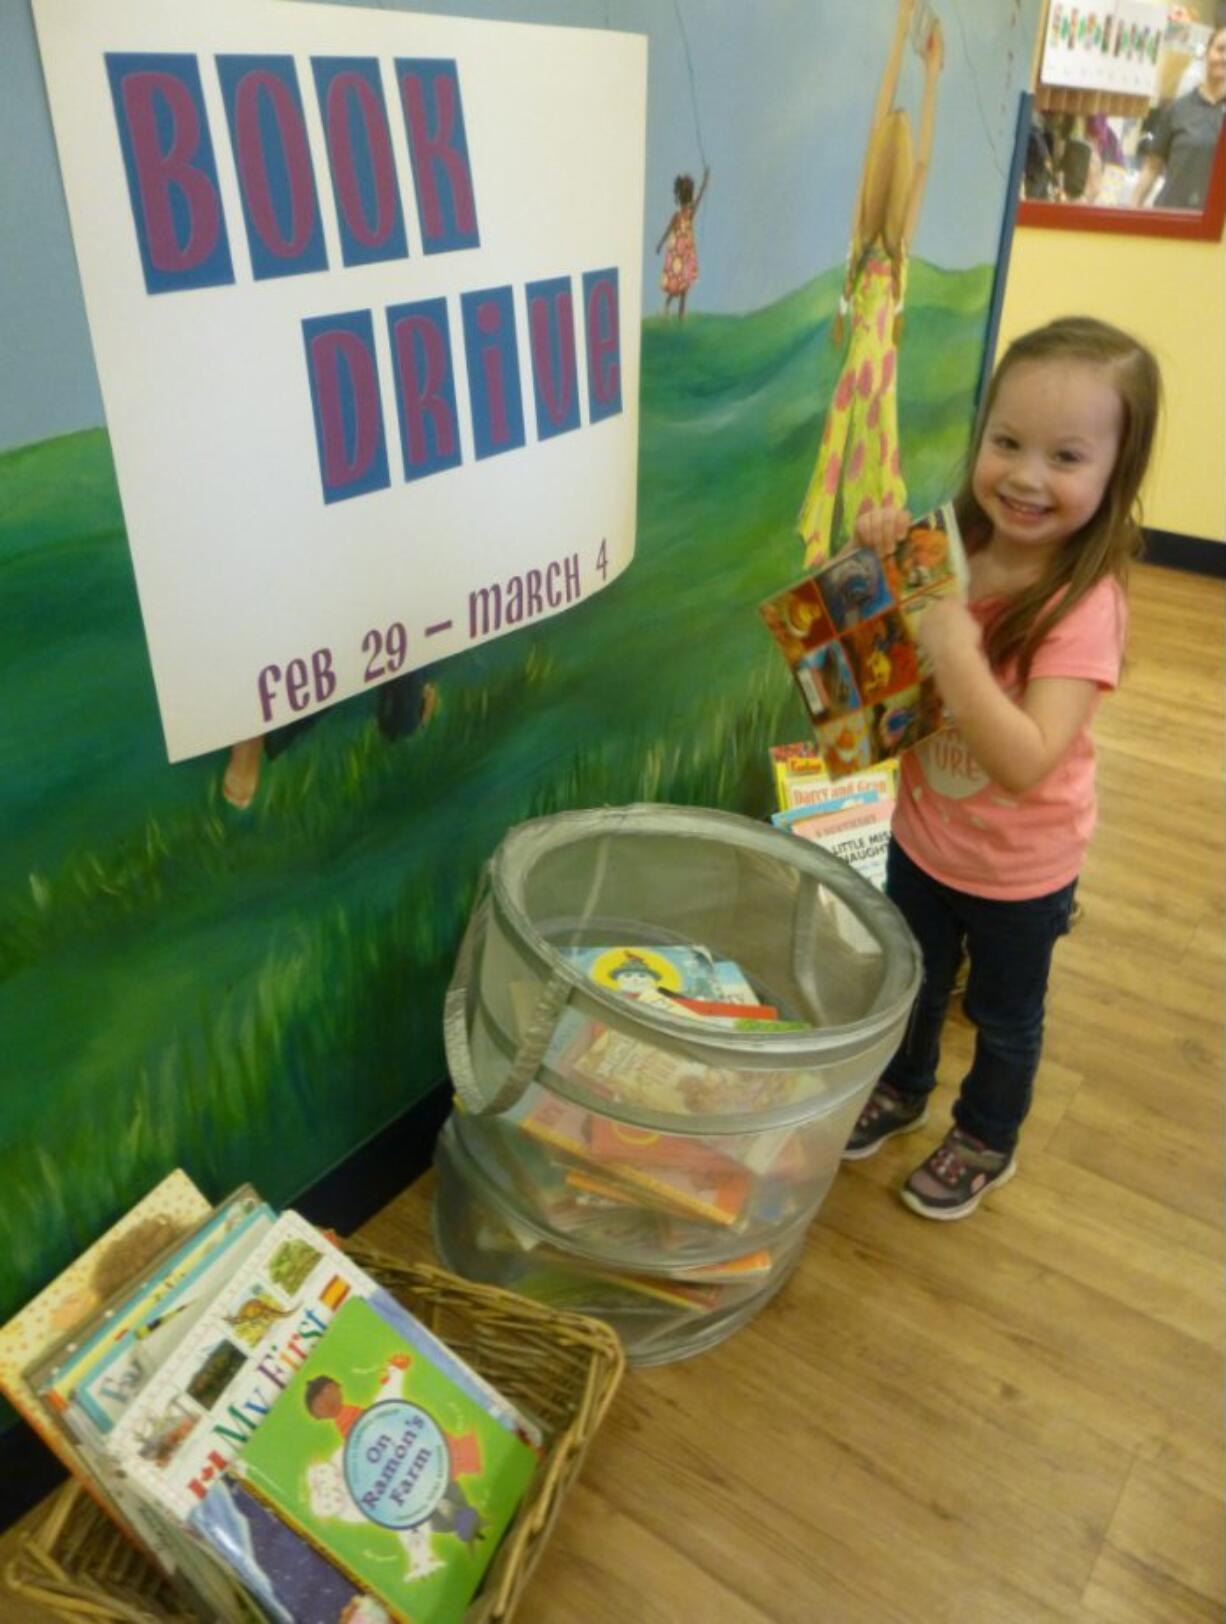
point(1109, 541)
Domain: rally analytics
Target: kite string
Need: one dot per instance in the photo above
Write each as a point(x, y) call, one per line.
point(1014, 19)
point(689, 65)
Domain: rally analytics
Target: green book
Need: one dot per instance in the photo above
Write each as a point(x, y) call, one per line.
point(389, 1468)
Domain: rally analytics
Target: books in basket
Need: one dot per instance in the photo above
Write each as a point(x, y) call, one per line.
point(89, 1380)
point(848, 634)
point(86, 1378)
point(100, 1370)
point(286, 1575)
point(393, 1471)
point(217, 1388)
point(146, 1231)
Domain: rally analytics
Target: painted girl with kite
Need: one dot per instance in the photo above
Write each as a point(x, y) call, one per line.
point(680, 269)
point(858, 465)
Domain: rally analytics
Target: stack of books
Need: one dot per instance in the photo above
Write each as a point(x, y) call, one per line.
point(650, 1247)
point(849, 816)
point(269, 1425)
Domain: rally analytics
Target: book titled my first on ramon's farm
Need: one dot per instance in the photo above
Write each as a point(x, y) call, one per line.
point(392, 1470)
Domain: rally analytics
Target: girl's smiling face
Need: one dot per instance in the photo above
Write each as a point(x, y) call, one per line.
point(1048, 451)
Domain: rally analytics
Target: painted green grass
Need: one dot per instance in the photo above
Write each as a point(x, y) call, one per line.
point(255, 995)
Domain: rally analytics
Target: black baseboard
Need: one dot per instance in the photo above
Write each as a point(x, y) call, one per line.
point(1178, 552)
point(360, 1186)
point(342, 1199)
point(28, 1472)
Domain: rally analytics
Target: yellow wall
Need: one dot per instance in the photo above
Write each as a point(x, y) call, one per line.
point(1172, 295)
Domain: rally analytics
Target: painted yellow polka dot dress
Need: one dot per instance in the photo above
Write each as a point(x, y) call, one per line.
point(858, 463)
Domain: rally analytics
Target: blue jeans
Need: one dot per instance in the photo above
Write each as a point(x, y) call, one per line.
point(1010, 946)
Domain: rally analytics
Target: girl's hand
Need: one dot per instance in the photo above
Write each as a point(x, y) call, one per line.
point(882, 529)
point(947, 628)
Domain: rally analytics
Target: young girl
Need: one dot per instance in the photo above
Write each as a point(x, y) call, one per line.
point(994, 815)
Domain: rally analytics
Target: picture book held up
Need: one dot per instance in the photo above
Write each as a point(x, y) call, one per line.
point(847, 632)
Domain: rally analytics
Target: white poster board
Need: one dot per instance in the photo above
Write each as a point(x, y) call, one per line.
point(364, 294)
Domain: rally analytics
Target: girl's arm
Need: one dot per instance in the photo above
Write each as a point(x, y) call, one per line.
point(706, 176)
point(1017, 743)
point(667, 232)
point(934, 61)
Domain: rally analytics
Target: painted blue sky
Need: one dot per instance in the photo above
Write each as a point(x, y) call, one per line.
point(781, 103)
point(776, 93)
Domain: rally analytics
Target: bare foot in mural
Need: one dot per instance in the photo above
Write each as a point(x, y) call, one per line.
point(429, 704)
point(242, 777)
point(403, 707)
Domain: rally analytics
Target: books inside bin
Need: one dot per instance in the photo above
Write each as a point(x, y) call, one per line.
point(605, 1183)
point(688, 981)
point(220, 1322)
point(523, 1253)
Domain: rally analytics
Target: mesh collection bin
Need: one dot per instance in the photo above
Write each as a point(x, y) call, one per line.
point(618, 1155)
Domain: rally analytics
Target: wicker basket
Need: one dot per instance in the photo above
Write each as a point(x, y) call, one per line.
point(563, 1367)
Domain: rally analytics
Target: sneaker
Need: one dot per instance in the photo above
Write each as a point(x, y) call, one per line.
point(957, 1176)
point(886, 1114)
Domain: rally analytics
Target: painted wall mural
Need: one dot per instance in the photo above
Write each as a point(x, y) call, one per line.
point(238, 965)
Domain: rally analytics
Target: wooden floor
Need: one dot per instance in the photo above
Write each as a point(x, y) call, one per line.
point(1017, 1418)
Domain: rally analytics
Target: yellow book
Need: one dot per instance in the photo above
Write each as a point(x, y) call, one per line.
point(162, 1217)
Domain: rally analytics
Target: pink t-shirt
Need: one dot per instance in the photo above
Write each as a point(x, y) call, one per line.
point(968, 833)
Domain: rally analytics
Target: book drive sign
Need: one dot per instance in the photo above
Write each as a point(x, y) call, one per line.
point(363, 288)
